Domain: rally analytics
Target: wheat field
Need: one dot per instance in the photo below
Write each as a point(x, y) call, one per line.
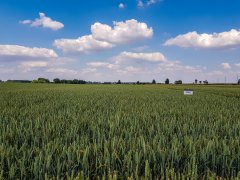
point(50, 131)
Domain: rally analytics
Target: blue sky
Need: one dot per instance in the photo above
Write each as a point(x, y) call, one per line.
point(124, 39)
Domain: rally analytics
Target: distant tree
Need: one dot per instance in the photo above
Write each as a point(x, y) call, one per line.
point(35, 81)
point(18, 81)
point(75, 81)
point(57, 80)
point(69, 81)
point(119, 82)
point(239, 81)
point(43, 80)
point(153, 81)
point(167, 81)
point(81, 82)
point(138, 82)
point(0, 81)
point(196, 81)
point(200, 82)
point(205, 82)
point(178, 82)
point(63, 81)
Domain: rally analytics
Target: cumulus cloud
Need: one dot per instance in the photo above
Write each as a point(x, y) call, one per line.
point(142, 66)
point(130, 70)
point(130, 63)
point(121, 6)
point(216, 40)
point(33, 64)
point(60, 71)
point(102, 65)
point(238, 64)
point(16, 50)
point(124, 61)
point(84, 45)
point(105, 37)
point(6, 70)
point(141, 3)
point(151, 57)
point(226, 66)
point(150, 2)
point(45, 22)
point(122, 32)
point(30, 65)
point(215, 73)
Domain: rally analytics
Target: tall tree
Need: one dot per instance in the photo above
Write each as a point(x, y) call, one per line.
point(119, 82)
point(167, 81)
point(57, 80)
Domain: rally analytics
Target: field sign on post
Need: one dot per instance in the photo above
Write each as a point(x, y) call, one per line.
point(188, 92)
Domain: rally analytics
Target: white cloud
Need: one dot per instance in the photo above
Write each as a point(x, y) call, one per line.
point(216, 40)
point(33, 64)
point(5, 70)
point(140, 4)
point(151, 57)
point(105, 37)
point(150, 2)
point(123, 63)
point(122, 32)
point(226, 66)
point(61, 71)
point(215, 73)
point(102, 65)
point(30, 65)
point(121, 6)
point(128, 65)
point(132, 69)
point(16, 50)
point(84, 44)
point(125, 66)
point(238, 64)
point(174, 66)
point(44, 21)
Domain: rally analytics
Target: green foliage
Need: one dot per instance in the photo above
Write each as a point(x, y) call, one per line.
point(119, 132)
point(205, 82)
point(178, 82)
point(57, 80)
point(64, 81)
point(41, 80)
point(167, 81)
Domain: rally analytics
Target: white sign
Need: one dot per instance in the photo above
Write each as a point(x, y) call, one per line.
point(188, 92)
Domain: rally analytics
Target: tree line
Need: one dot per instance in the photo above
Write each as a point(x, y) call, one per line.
point(77, 81)
point(59, 81)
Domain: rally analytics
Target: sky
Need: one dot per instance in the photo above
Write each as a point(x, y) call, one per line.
point(127, 40)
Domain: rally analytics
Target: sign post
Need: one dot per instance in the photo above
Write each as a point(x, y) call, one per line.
point(188, 92)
